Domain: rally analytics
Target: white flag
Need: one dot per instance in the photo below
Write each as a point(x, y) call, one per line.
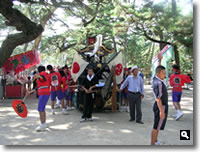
point(119, 70)
point(78, 66)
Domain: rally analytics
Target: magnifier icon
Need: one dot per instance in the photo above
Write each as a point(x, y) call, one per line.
point(184, 134)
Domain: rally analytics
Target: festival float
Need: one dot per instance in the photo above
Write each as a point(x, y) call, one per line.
point(107, 66)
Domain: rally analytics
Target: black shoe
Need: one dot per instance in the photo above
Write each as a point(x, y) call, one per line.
point(132, 120)
point(140, 122)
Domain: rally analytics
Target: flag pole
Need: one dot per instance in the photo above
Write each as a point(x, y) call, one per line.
point(114, 93)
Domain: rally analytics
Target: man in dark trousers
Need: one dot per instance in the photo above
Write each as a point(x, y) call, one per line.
point(89, 83)
point(160, 107)
point(135, 94)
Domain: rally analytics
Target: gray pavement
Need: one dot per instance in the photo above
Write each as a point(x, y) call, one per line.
point(107, 128)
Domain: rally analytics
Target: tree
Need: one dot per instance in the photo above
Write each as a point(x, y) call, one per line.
point(159, 24)
point(29, 30)
point(139, 31)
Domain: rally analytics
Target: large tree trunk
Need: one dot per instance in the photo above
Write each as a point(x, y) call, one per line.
point(162, 45)
point(125, 48)
point(30, 30)
point(176, 54)
point(114, 42)
point(174, 7)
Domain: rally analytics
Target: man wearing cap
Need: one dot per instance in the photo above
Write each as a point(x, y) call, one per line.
point(135, 94)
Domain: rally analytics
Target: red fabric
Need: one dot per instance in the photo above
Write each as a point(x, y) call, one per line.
point(58, 87)
point(76, 68)
point(177, 81)
point(92, 40)
point(41, 82)
point(125, 69)
point(21, 61)
point(14, 91)
point(66, 81)
point(118, 69)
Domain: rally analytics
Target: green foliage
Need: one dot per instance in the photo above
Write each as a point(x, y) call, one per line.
point(122, 26)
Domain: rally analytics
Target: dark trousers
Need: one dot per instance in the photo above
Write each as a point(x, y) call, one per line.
point(135, 102)
point(88, 104)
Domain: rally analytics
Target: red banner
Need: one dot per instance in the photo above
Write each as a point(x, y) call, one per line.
point(21, 61)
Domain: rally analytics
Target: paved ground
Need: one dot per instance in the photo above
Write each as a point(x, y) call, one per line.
point(107, 129)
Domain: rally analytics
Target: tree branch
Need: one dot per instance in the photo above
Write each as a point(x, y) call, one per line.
point(95, 14)
point(62, 49)
point(30, 30)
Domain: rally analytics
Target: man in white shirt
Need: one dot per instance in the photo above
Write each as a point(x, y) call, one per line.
point(135, 94)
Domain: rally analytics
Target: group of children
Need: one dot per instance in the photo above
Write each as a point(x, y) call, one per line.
point(57, 84)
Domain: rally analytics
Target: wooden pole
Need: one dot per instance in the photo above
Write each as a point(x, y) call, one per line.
point(114, 94)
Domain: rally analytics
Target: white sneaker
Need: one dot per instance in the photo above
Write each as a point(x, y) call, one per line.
point(69, 108)
point(120, 109)
point(179, 116)
point(82, 120)
point(90, 119)
point(128, 110)
point(57, 107)
point(64, 112)
point(53, 112)
point(157, 143)
point(42, 127)
point(174, 116)
point(124, 108)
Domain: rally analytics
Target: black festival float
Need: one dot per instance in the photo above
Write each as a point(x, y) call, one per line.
point(99, 60)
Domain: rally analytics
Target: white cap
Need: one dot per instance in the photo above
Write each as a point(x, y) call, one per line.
point(134, 67)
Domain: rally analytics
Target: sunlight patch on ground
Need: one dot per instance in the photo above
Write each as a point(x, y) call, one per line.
point(187, 112)
point(49, 120)
point(170, 118)
point(18, 137)
point(62, 126)
point(6, 109)
point(13, 125)
point(95, 118)
point(36, 140)
point(126, 131)
point(30, 114)
point(89, 128)
point(110, 122)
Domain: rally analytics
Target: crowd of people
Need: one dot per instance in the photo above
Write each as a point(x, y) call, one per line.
point(58, 84)
point(55, 83)
point(132, 90)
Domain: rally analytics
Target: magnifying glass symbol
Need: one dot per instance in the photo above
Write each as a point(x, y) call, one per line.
point(184, 134)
